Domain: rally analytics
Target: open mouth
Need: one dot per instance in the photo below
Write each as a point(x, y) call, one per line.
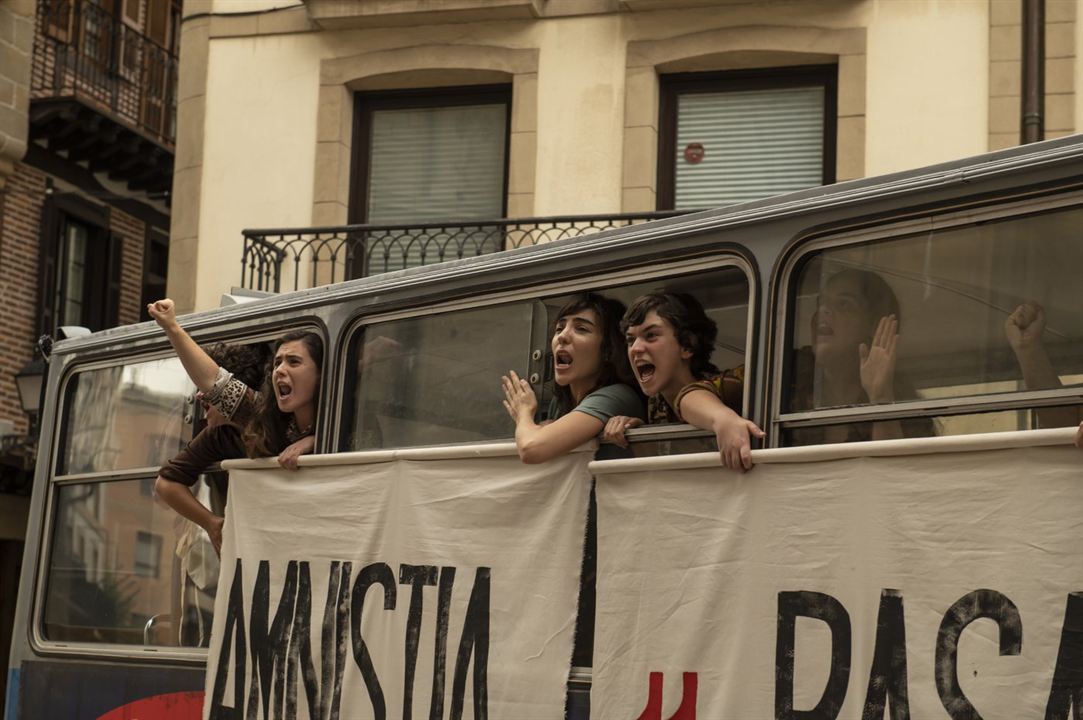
point(562, 359)
point(644, 371)
point(284, 390)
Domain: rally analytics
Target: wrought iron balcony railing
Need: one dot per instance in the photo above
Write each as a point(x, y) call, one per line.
point(84, 51)
point(322, 255)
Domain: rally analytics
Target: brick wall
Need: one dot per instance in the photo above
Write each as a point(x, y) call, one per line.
point(21, 202)
point(20, 220)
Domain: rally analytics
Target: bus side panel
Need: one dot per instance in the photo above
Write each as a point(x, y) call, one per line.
point(12, 694)
point(77, 691)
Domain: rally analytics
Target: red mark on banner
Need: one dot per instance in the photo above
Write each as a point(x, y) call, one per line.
point(687, 710)
point(174, 706)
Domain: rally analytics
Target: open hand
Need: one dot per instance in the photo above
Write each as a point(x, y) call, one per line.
point(519, 398)
point(878, 361)
point(613, 432)
point(1024, 327)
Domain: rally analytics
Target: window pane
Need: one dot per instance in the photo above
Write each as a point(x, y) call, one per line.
point(71, 294)
point(119, 560)
point(986, 308)
point(435, 164)
point(724, 295)
point(442, 163)
point(435, 379)
point(124, 417)
point(943, 425)
point(734, 147)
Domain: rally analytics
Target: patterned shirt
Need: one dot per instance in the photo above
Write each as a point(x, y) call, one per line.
point(728, 385)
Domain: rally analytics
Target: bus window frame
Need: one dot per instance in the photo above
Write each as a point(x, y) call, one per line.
point(736, 257)
point(928, 221)
point(160, 654)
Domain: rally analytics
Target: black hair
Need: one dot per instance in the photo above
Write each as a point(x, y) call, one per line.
point(694, 330)
point(614, 365)
point(265, 433)
point(248, 363)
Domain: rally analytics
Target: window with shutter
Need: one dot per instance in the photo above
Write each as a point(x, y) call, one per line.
point(430, 157)
point(735, 137)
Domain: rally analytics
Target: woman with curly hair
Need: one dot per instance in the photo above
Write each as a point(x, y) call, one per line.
point(277, 420)
point(593, 382)
point(670, 340)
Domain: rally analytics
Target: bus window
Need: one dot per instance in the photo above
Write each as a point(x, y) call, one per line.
point(123, 568)
point(990, 308)
point(111, 570)
point(724, 294)
point(433, 379)
point(125, 416)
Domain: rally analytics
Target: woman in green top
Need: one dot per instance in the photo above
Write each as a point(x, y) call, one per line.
point(594, 382)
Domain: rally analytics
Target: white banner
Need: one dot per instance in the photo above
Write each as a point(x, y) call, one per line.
point(425, 583)
point(940, 578)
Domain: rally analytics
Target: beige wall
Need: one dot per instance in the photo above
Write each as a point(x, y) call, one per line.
point(16, 45)
point(928, 82)
point(265, 137)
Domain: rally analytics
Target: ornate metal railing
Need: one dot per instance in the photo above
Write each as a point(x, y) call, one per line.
point(86, 52)
point(318, 256)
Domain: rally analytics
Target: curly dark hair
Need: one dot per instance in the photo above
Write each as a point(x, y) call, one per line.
point(694, 330)
point(265, 434)
point(615, 368)
point(248, 363)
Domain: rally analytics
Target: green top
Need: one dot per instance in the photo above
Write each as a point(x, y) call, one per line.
point(605, 402)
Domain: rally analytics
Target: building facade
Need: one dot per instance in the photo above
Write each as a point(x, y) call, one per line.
point(323, 113)
point(87, 135)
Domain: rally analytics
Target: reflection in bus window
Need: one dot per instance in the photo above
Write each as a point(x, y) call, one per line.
point(965, 424)
point(434, 378)
point(121, 570)
point(929, 316)
point(125, 417)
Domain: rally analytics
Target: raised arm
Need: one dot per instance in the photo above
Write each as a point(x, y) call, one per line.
point(538, 443)
point(198, 364)
point(1024, 329)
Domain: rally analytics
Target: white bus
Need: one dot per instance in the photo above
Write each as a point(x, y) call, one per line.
point(116, 596)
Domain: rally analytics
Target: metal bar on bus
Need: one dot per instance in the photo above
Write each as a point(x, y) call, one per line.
point(1022, 400)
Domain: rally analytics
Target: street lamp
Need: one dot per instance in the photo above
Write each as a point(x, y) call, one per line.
point(29, 381)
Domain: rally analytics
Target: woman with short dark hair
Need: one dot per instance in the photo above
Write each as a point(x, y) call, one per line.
point(670, 340)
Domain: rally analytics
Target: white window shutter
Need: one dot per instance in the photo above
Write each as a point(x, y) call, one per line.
point(756, 143)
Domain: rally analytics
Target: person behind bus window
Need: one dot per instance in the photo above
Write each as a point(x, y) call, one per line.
point(593, 382)
point(669, 342)
point(855, 338)
point(1023, 329)
point(277, 420)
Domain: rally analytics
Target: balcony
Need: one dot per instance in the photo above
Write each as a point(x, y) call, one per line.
point(103, 94)
point(304, 257)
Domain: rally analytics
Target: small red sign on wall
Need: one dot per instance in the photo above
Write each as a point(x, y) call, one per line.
point(693, 153)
